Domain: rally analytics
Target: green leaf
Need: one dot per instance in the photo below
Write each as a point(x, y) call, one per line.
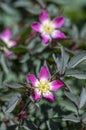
point(22, 3)
point(82, 98)
point(83, 32)
point(71, 117)
point(58, 2)
point(19, 49)
point(57, 61)
point(41, 2)
point(14, 100)
point(34, 10)
point(7, 8)
point(75, 32)
point(30, 125)
point(69, 88)
point(52, 125)
point(64, 60)
point(61, 61)
point(73, 98)
point(78, 58)
point(24, 34)
point(2, 125)
point(67, 105)
point(79, 74)
point(38, 48)
point(13, 127)
point(23, 128)
point(84, 117)
point(2, 44)
point(13, 85)
point(3, 63)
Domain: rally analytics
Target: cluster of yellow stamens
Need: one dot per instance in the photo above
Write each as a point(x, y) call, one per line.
point(48, 27)
point(43, 86)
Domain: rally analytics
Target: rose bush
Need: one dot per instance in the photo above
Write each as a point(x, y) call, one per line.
point(53, 49)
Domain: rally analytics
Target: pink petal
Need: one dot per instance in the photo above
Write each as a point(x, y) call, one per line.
point(33, 79)
point(43, 16)
point(45, 38)
point(49, 95)
point(0, 36)
point(12, 43)
point(37, 94)
point(6, 34)
point(55, 85)
point(44, 73)
point(58, 34)
point(8, 52)
point(36, 26)
point(58, 21)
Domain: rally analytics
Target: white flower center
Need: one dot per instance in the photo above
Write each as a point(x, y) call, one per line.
point(43, 86)
point(47, 27)
point(7, 42)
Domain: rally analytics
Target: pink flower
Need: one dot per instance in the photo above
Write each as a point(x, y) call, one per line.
point(42, 85)
point(47, 28)
point(6, 36)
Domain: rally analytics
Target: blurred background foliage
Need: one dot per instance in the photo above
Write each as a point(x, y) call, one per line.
point(30, 54)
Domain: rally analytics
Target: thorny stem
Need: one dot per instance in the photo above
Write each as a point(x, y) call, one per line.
point(27, 85)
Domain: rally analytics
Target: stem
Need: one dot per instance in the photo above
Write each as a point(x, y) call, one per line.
point(23, 109)
point(53, 75)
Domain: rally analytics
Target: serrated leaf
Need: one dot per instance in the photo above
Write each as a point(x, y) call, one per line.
point(13, 85)
point(14, 100)
point(71, 117)
point(79, 74)
point(73, 98)
point(78, 58)
point(82, 98)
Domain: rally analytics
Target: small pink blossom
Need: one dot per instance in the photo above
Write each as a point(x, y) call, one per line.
point(47, 28)
point(42, 85)
point(6, 36)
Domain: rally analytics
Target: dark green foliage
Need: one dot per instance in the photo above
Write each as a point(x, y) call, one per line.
point(66, 60)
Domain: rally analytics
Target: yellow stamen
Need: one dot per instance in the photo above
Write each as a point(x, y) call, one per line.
point(48, 27)
point(44, 86)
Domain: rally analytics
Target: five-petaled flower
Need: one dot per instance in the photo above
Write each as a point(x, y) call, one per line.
point(47, 28)
point(42, 85)
point(6, 36)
